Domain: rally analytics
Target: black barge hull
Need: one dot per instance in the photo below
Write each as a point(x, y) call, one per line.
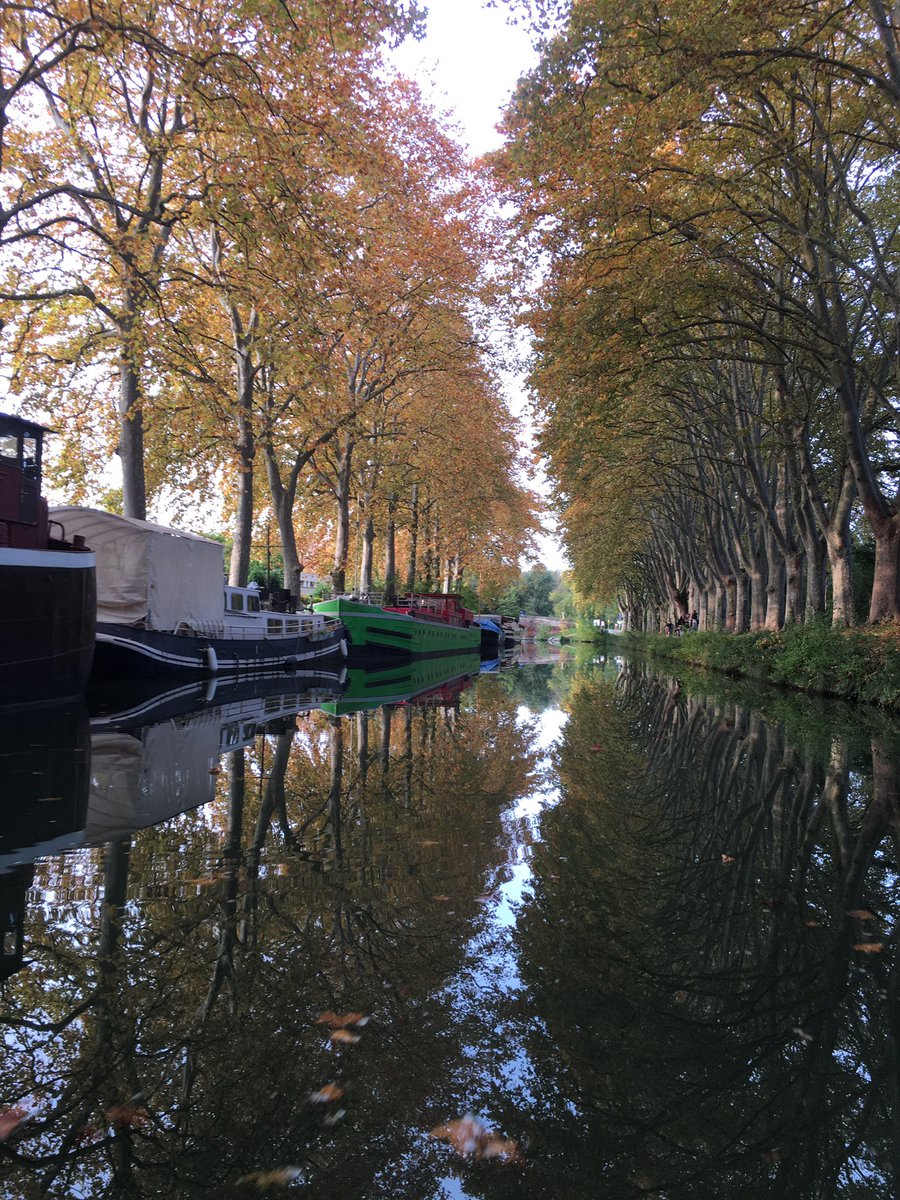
point(48, 603)
point(125, 651)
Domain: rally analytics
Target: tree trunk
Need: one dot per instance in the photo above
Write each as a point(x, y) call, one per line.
point(740, 602)
point(840, 566)
point(730, 596)
point(342, 531)
point(246, 449)
point(131, 422)
point(390, 557)
point(413, 539)
point(718, 603)
point(757, 601)
point(793, 604)
point(365, 566)
point(293, 567)
point(815, 576)
point(885, 602)
point(774, 583)
point(703, 607)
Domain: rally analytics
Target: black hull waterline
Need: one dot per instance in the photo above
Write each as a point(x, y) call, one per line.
point(122, 649)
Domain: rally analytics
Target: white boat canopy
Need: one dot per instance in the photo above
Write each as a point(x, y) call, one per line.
point(149, 574)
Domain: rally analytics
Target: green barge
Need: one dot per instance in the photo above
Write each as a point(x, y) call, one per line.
point(436, 623)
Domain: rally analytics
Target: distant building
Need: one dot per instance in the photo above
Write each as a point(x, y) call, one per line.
point(308, 582)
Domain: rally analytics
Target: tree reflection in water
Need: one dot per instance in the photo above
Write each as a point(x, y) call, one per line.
point(727, 1037)
point(643, 966)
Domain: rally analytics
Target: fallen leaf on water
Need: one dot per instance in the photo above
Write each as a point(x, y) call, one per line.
point(485, 899)
point(345, 1036)
point(49, 799)
point(861, 914)
point(596, 748)
point(442, 898)
point(126, 1114)
point(473, 1139)
point(803, 1035)
point(334, 1118)
point(331, 1091)
point(812, 924)
point(680, 997)
point(335, 1021)
point(10, 1120)
point(869, 947)
point(728, 859)
point(768, 902)
point(429, 842)
point(280, 1177)
point(772, 1157)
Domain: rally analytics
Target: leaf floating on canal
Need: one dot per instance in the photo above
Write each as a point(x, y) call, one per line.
point(869, 947)
point(10, 1120)
point(344, 1036)
point(127, 1114)
point(769, 902)
point(471, 1138)
point(331, 1091)
point(335, 1021)
point(280, 1177)
point(861, 914)
point(728, 859)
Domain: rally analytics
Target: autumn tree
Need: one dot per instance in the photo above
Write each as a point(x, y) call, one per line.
point(743, 246)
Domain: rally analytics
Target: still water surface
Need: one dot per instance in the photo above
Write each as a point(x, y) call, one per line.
point(564, 930)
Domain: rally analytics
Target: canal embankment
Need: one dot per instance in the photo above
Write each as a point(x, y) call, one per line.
point(860, 665)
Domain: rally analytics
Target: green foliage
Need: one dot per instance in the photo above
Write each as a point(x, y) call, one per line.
point(258, 574)
point(508, 605)
point(860, 665)
point(536, 588)
point(586, 631)
point(533, 594)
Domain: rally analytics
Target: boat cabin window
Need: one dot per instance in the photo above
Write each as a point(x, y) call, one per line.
point(235, 601)
point(30, 457)
point(253, 604)
point(9, 447)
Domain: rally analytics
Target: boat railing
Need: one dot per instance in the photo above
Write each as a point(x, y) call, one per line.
point(265, 624)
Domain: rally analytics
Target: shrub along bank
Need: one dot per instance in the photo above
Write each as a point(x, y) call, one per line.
point(856, 664)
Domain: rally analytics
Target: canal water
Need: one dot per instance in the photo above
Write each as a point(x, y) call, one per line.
point(572, 929)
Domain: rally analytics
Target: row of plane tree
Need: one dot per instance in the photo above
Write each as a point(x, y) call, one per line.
point(711, 194)
point(244, 255)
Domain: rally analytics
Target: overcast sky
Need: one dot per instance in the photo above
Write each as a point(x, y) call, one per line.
point(468, 64)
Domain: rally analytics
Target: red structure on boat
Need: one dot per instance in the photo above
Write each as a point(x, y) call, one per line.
point(47, 583)
point(445, 608)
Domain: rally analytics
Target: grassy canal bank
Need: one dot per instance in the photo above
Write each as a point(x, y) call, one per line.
point(861, 665)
